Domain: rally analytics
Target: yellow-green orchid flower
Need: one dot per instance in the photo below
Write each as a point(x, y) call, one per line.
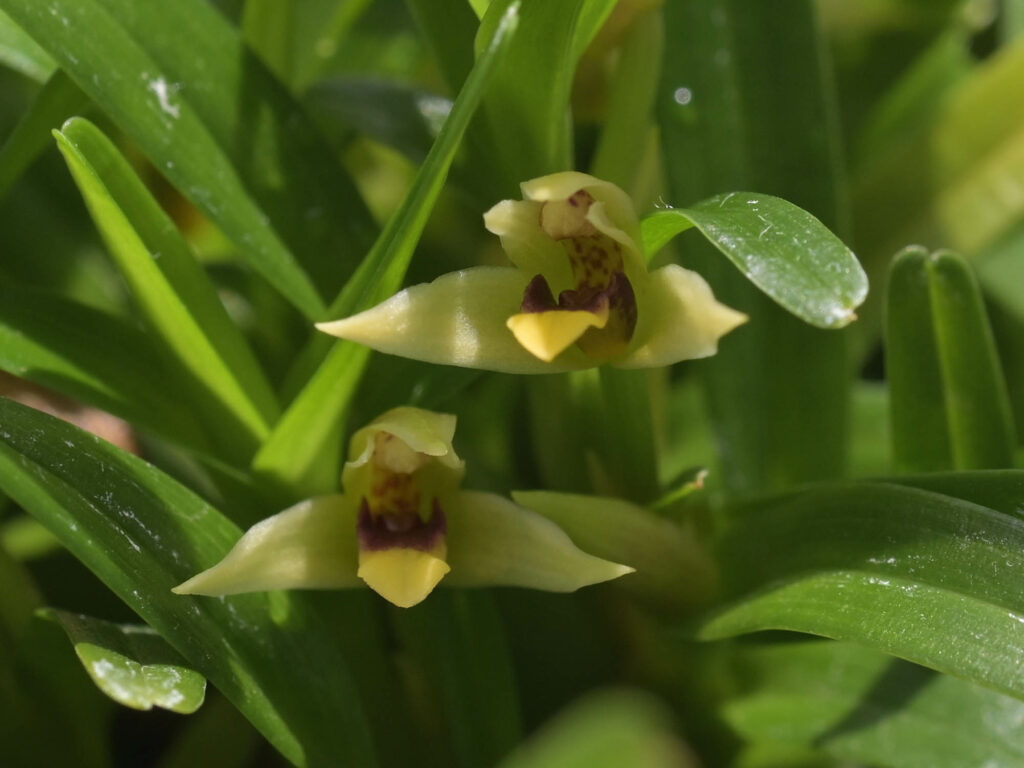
point(401, 526)
point(579, 294)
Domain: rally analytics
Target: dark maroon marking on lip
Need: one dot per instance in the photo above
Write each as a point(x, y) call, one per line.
point(538, 296)
point(405, 531)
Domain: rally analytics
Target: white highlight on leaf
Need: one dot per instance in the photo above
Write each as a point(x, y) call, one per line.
point(163, 91)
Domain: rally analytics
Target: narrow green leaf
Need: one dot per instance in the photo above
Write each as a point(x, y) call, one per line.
point(298, 456)
point(920, 435)
point(746, 102)
point(949, 405)
point(20, 52)
point(457, 642)
point(449, 27)
point(142, 533)
point(172, 291)
point(95, 358)
point(404, 118)
point(930, 578)
point(219, 127)
point(57, 101)
point(609, 729)
point(132, 664)
point(267, 28)
point(634, 88)
point(527, 109)
point(782, 249)
point(864, 707)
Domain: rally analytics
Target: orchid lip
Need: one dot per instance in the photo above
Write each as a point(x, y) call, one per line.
point(400, 531)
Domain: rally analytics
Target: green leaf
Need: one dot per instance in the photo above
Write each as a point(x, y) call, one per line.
point(634, 87)
point(57, 101)
point(949, 405)
point(132, 664)
point(927, 577)
point(869, 709)
point(211, 118)
point(746, 102)
point(142, 533)
point(20, 52)
point(173, 292)
point(405, 118)
point(609, 729)
point(945, 184)
point(529, 131)
point(457, 641)
point(95, 358)
point(782, 249)
point(296, 458)
point(449, 27)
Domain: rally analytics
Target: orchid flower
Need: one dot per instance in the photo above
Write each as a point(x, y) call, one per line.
point(579, 294)
point(401, 526)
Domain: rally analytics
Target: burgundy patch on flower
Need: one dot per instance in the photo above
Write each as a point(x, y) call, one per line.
point(538, 296)
point(400, 531)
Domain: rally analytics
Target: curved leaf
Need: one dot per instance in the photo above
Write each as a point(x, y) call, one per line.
point(949, 405)
point(175, 295)
point(782, 249)
point(214, 121)
point(142, 533)
point(927, 577)
point(862, 706)
point(132, 664)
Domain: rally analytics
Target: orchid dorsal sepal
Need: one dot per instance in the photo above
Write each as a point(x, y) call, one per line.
point(402, 527)
point(574, 240)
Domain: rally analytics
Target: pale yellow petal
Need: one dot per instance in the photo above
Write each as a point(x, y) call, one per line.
point(459, 319)
point(679, 320)
point(402, 576)
point(548, 334)
point(618, 208)
point(517, 223)
point(311, 545)
point(493, 542)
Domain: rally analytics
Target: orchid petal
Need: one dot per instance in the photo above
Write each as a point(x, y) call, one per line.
point(311, 545)
point(425, 432)
point(679, 320)
point(530, 248)
point(547, 334)
point(492, 542)
point(403, 577)
point(458, 319)
point(672, 569)
point(618, 211)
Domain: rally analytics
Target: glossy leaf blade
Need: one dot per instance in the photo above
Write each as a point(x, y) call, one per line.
point(782, 249)
point(862, 706)
point(142, 533)
point(927, 577)
point(949, 405)
point(212, 119)
point(296, 456)
point(173, 292)
point(132, 664)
